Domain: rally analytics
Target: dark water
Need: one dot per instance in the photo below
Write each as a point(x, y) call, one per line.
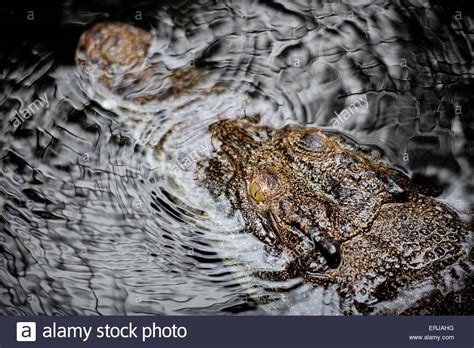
point(93, 223)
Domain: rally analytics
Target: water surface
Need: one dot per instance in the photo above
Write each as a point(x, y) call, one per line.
point(93, 223)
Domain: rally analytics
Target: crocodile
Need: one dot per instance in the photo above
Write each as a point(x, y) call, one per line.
point(343, 217)
point(118, 61)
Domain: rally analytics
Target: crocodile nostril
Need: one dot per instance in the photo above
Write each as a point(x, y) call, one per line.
point(329, 250)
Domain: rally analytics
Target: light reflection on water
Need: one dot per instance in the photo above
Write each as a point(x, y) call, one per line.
point(94, 223)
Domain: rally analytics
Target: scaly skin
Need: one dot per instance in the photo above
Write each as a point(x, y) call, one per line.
point(114, 55)
point(344, 218)
point(116, 59)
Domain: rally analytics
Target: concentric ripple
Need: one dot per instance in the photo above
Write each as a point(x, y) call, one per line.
point(96, 220)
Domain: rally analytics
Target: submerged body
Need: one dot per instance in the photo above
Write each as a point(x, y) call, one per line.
point(118, 61)
point(344, 219)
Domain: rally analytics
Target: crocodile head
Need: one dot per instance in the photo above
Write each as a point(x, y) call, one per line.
point(299, 188)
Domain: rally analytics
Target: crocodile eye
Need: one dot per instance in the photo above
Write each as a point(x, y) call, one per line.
point(256, 192)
